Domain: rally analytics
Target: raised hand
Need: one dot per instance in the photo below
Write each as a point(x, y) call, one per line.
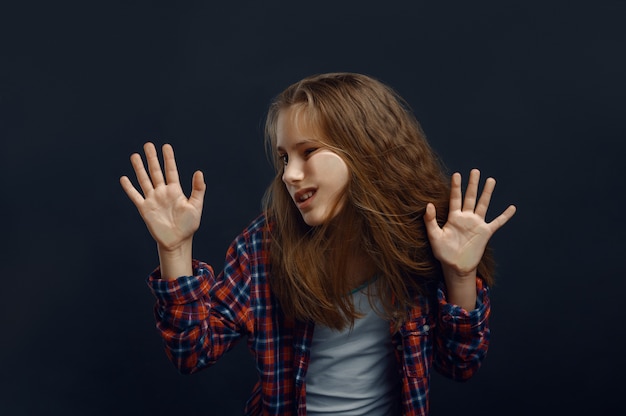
point(459, 245)
point(170, 216)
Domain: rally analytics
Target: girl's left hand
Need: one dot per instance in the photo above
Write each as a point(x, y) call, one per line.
point(460, 244)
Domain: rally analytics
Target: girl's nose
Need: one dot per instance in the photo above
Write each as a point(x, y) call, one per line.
point(293, 172)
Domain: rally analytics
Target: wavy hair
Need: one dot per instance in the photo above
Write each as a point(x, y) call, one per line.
point(394, 173)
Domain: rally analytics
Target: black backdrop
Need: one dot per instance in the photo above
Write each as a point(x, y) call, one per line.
point(531, 92)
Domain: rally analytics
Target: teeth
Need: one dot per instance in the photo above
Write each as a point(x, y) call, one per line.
point(306, 196)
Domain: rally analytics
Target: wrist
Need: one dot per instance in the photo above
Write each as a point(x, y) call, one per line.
point(176, 261)
point(174, 252)
point(461, 288)
point(455, 275)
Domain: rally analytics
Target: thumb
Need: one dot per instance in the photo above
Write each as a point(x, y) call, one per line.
point(198, 188)
point(430, 219)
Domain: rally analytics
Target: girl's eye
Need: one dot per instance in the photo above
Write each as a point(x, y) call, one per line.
point(284, 159)
point(309, 150)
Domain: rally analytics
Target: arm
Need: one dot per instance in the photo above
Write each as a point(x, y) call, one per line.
point(201, 317)
point(463, 327)
point(460, 244)
point(170, 216)
point(196, 324)
point(462, 336)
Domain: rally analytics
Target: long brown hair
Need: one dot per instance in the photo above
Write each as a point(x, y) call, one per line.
point(394, 173)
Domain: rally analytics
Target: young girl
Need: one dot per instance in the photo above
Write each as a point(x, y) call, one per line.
point(365, 271)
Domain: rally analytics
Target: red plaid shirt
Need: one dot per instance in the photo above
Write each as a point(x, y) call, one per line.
point(201, 317)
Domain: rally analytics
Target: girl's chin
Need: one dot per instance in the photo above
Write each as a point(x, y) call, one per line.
point(313, 220)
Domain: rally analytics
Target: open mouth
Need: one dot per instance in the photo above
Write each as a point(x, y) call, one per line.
point(302, 199)
point(306, 196)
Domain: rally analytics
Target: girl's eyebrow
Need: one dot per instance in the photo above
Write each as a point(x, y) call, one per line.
point(296, 145)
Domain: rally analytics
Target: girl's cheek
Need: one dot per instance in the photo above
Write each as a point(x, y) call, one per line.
point(329, 161)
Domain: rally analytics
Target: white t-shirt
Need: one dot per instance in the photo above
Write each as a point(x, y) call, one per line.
point(353, 372)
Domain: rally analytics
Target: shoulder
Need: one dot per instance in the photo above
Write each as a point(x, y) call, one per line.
point(253, 241)
point(257, 229)
point(257, 224)
point(248, 260)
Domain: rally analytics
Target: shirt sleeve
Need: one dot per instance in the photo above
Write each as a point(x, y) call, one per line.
point(201, 317)
point(463, 336)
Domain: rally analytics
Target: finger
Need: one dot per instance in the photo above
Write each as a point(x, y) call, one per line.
point(171, 171)
point(198, 188)
point(472, 191)
point(485, 197)
point(140, 172)
point(153, 164)
point(502, 218)
point(455, 193)
point(430, 220)
point(133, 194)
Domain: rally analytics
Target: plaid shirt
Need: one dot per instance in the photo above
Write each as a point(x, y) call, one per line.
point(201, 317)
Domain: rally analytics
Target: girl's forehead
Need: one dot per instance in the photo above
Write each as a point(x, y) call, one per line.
point(300, 116)
point(296, 123)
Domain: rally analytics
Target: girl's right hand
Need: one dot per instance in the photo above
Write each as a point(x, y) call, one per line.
point(170, 216)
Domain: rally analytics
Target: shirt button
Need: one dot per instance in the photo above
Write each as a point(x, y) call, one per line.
point(399, 347)
point(426, 328)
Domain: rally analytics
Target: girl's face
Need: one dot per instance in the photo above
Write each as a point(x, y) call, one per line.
point(314, 175)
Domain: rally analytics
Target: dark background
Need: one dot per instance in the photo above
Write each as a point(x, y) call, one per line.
point(532, 92)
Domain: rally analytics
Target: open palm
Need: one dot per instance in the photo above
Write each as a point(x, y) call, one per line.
point(459, 245)
point(170, 216)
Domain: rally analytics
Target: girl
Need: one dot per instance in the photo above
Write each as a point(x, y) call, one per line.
point(365, 271)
